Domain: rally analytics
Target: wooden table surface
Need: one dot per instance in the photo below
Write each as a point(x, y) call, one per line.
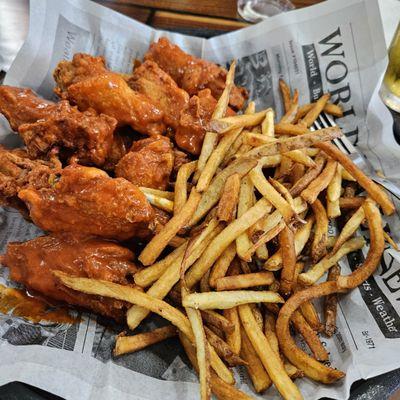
point(199, 17)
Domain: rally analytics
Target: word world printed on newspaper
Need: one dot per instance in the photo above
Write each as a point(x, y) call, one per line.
point(337, 47)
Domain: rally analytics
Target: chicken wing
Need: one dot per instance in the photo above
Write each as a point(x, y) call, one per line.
point(149, 163)
point(87, 84)
point(32, 263)
point(45, 126)
point(191, 73)
point(86, 200)
point(150, 80)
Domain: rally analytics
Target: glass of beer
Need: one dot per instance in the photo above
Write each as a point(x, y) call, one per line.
point(390, 89)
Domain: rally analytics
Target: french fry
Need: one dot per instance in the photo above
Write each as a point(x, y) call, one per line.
point(209, 143)
point(318, 246)
point(258, 375)
point(330, 304)
point(285, 167)
point(290, 114)
point(222, 264)
point(160, 193)
point(297, 173)
point(274, 263)
point(287, 247)
point(228, 202)
point(223, 101)
point(254, 139)
point(158, 243)
point(312, 191)
point(223, 349)
point(329, 108)
point(270, 360)
point(233, 338)
point(318, 270)
point(377, 245)
point(130, 344)
point(311, 316)
point(349, 229)
point(284, 145)
point(318, 106)
point(205, 282)
point(228, 299)
point(271, 194)
point(212, 195)
point(181, 187)
point(389, 240)
point(346, 176)
point(224, 239)
point(284, 128)
point(311, 367)
point(218, 321)
point(310, 337)
point(270, 332)
point(160, 202)
point(244, 281)
point(301, 158)
point(351, 202)
point(267, 126)
point(285, 92)
point(374, 191)
point(333, 194)
point(227, 124)
point(309, 176)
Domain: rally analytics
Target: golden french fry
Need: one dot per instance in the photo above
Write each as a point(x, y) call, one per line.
point(209, 143)
point(330, 304)
point(285, 167)
point(224, 239)
point(267, 126)
point(159, 193)
point(377, 245)
point(204, 282)
point(283, 191)
point(244, 281)
point(227, 124)
point(297, 173)
point(374, 191)
point(159, 202)
point(351, 202)
point(318, 270)
point(333, 193)
point(274, 263)
point(312, 191)
point(270, 332)
point(230, 196)
point(212, 318)
point(233, 338)
point(254, 139)
point(389, 240)
point(329, 108)
point(301, 158)
point(317, 108)
point(349, 228)
point(228, 299)
point(311, 316)
point(311, 367)
point(222, 264)
point(130, 344)
point(270, 360)
point(285, 92)
point(346, 176)
point(181, 187)
point(223, 101)
point(158, 243)
point(318, 246)
point(284, 128)
point(287, 248)
point(290, 114)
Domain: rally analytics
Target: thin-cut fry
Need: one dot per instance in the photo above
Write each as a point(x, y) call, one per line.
point(244, 281)
point(284, 128)
point(158, 243)
point(346, 176)
point(222, 264)
point(181, 187)
point(254, 139)
point(310, 337)
point(318, 270)
point(285, 167)
point(311, 367)
point(258, 375)
point(330, 304)
point(297, 173)
point(310, 314)
point(301, 157)
point(333, 194)
point(218, 321)
point(209, 143)
point(230, 195)
point(290, 114)
point(160, 202)
point(224, 239)
point(389, 240)
point(351, 202)
point(223, 101)
point(318, 106)
point(270, 360)
point(374, 191)
point(160, 193)
point(227, 124)
point(349, 229)
point(130, 344)
point(287, 248)
point(269, 331)
point(229, 299)
point(318, 246)
point(312, 191)
point(205, 282)
point(267, 126)
point(377, 245)
point(274, 263)
point(233, 338)
point(283, 191)
point(285, 92)
point(329, 108)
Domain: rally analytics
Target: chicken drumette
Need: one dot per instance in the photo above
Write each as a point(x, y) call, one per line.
point(32, 263)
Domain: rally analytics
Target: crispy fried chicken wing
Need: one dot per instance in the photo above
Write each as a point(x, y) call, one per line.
point(89, 85)
point(46, 126)
point(191, 73)
point(149, 163)
point(86, 200)
point(32, 263)
point(150, 80)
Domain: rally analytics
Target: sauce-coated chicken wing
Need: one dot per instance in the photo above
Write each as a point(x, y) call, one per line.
point(32, 263)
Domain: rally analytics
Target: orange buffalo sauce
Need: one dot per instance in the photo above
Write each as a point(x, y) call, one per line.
point(18, 303)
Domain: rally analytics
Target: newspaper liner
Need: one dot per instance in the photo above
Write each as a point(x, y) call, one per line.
point(335, 46)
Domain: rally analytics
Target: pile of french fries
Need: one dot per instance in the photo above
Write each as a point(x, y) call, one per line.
point(249, 246)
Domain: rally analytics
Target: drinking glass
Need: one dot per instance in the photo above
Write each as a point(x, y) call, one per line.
point(256, 10)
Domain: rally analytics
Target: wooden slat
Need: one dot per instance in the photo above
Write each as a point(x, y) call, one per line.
point(139, 13)
point(170, 20)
